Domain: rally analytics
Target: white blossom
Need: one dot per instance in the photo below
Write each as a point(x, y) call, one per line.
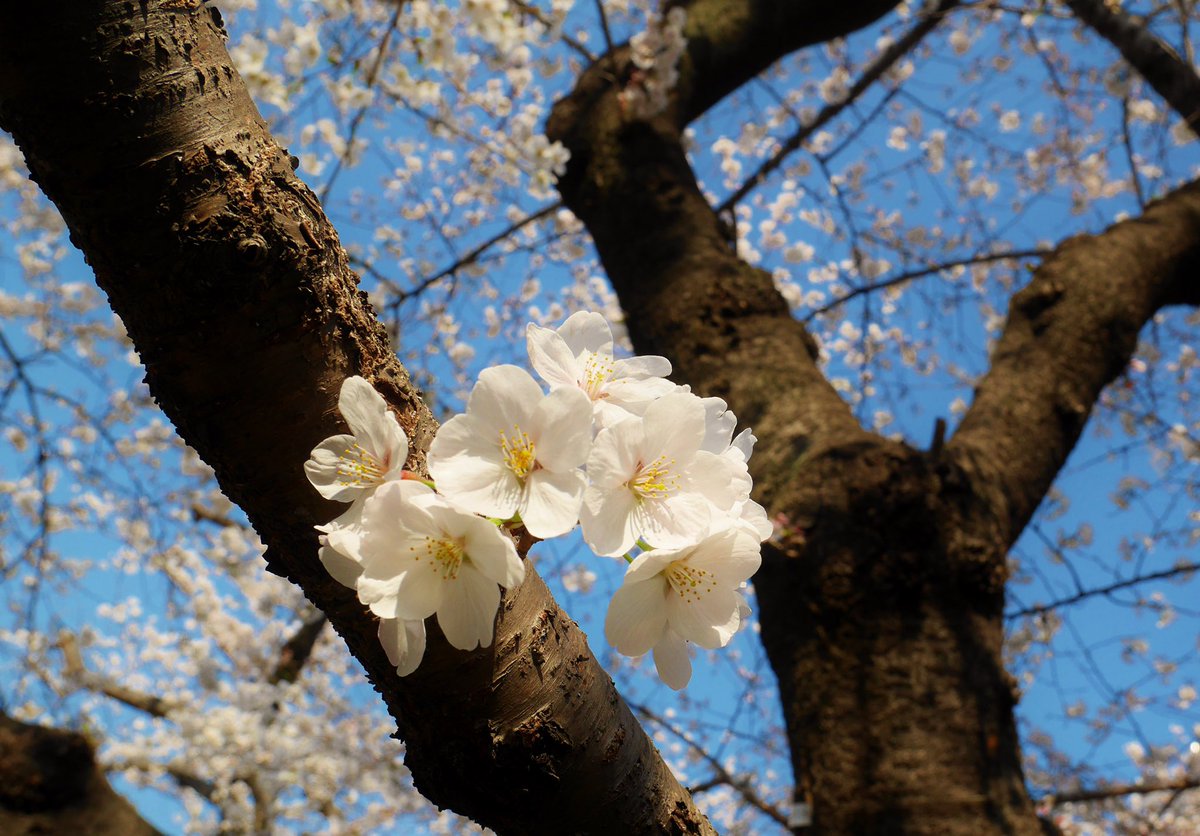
point(516, 451)
point(670, 597)
point(579, 353)
point(422, 556)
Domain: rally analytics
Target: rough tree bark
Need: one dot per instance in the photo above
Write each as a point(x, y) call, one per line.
point(881, 606)
point(237, 295)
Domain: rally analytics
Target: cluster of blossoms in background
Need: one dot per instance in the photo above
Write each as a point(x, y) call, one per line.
point(651, 473)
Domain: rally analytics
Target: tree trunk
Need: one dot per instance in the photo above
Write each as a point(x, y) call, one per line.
point(237, 295)
point(881, 600)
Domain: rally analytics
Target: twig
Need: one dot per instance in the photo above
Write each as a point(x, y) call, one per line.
point(874, 71)
point(1180, 569)
point(901, 278)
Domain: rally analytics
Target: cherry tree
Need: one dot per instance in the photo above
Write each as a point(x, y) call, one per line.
point(939, 257)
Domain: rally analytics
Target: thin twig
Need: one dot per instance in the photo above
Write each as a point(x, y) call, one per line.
point(901, 278)
point(1179, 569)
point(874, 71)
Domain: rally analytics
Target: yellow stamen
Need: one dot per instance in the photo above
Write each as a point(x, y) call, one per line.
point(597, 371)
point(690, 584)
point(655, 481)
point(447, 553)
point(519, 454)
point(357, 468)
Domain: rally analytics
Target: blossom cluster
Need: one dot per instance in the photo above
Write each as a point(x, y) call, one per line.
point(650, 472)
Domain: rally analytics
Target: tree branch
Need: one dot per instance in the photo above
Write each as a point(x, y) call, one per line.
point(1119, 790)
point(1083, 595)
point(1069, 333)
point(927, 22)
point(1173, 78)
point(50, 783)
point(237, 294)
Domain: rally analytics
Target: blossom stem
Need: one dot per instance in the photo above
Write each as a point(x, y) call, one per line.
point(413, 477)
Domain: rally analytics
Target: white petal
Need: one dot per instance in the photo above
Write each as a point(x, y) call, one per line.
point(325, 469)
point(375, 427)
point(550, 357)
point(708, 618)
point(636, 617)
point(420, 590)
point(404, 643)
point(492, 553)
point(587, 331)
point(614, 455)
point(672, 661)
point(719, 424)
point(644, 365)
point(468, 611)
point(731, 557)
point(674, 426)
point(678, 521)
point(722, 480)
point(468, 467)
point(552, 502)
point(755, 517)
point(562, 429)
point(504, 397)
point(744, 444)
point(344, 570)
point(607, 519)
point(648, 564)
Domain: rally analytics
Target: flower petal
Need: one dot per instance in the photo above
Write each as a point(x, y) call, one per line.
point(325, 469)
point(707, 617)
point(562, 429)
point(672, 661)
point(607, 519)
point(552, 502)
point(587, 331)
point(373, 424)
point(614, 455)
point(636, 617)
point(678, 521)
point(492, 553)
point(468, 467)
point(404, 643)
point(644, 365)
point(344, 570)
point(550, 357)
point(468, 611)
point(719, 424)
point(674, 426)
point(504, 397)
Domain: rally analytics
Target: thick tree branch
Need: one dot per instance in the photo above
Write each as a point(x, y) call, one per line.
point(50, 783)
point(1069, 333)
point(1172, 77)
point(236, 292)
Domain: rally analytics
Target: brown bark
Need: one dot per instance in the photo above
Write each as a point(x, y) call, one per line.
point(237, 295)
point(50, 783)
point(881, 604)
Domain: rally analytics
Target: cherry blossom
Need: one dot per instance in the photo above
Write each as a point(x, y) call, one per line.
point(651, 479)
point(579, 353)
point(516, 451)
point(347, 467)
point(422, 556)
point(673, 596)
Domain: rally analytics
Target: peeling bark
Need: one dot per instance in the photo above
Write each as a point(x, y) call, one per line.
point(237, 295)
